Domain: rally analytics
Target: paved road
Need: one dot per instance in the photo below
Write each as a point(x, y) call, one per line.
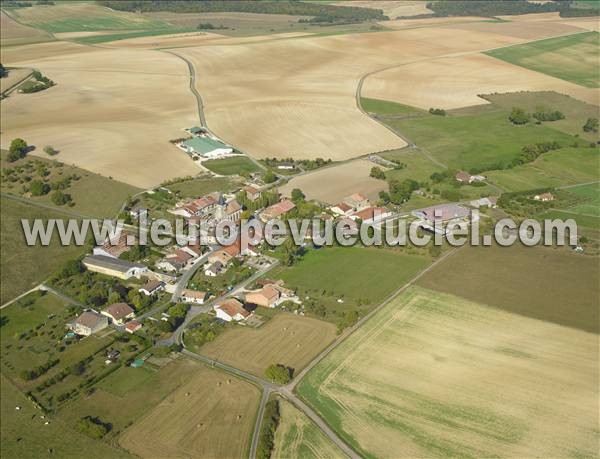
point(187, 275)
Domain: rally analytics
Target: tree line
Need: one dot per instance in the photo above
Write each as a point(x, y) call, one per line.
point(295, 8)
point(490, 8)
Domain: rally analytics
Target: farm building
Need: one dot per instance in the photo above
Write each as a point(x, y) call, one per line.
point(193, 296)
point(206, 147)
point(267, 296)
point(119, 312)
point(88, 323)
point(372, 214)
point(114, 267)
point(231, 309)
point(175, 261)
point(484, 202)
point(465, 177)
point(544, 197)
point(152, 287)
point(441, 213)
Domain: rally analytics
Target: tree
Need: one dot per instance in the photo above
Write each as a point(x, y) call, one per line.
point(59, 198)
point(50, 151)
point(298, 195)
point(437, 111)
point(519, 116)
point(39, 188)
point(113, 298)
point(377, 172)
point(278, 373)
point(3, 71)
point(591, 125)
point(400, 192)
point(17, 150)
point(269, 176)
point(92, 427)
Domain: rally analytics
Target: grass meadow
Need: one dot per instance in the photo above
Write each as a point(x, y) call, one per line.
point(231, 166)
point(436, 375)
point(200, 186)
point(22, 266)
point(573, 58)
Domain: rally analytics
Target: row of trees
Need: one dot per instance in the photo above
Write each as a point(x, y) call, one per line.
point(490, 8)
point(266, 441)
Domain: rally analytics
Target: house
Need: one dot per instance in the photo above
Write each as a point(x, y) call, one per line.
point(357, 201)
point(231, 309)
point(268, 296)
point(119, 312)
point(252, 193)
point(342, 209)
point(206, 147)
point(443, 213)
point(114, 250)
point(465, 177)
point(199, 207)
point(372, 214)
point(276, 210)
point(134, 210)
point(230, 211)
point(88, 323)
point(115, 267)
point(544, 197)
point(484, 202)
point(214, 270)
point(152, 287)
point(175, 261)
point(194, 250)
point(220, 256)
point(133, 326)
point(193, 296)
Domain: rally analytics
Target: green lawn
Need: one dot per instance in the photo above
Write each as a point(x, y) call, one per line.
point(591, 193)
point(573, 58)
point(584, 221)
point(561, 167)
point(231, 166)
point(476, 141)
point(23, 267)
point(361, 277)
point(386, 107)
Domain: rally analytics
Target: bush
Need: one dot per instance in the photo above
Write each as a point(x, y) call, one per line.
point(17, 150)
point(93, 427)
point(50, 151)
point(437, 111)
point(270, 423)
point(555, 115)
point(591, 125)
point(519, 116)
point(59, 198)
point(39, 188)
point(377, 172)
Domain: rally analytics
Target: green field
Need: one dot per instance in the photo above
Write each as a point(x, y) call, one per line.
point(92, 194)
point(361, 277)
point(591, 193)
point(19, 271)
point(231, 166)
point(583, 221)
point(24, 434)
point(436, 375)
point(105, 38)
point(79, 16)
point(200, 186)
point(547, 284)
point(387, 108)
point(573, 58)
point(566, 166)
point(576, 112)
point(298, 436)
point(475, 141)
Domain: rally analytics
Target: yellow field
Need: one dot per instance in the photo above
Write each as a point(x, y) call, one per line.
point(298, 436)
point(211, 415)
point(112, 112)
point(392, 8)
point(332, 184)
point(286, 339)
point(13, 77)
point(13, 33)
point(434, 375)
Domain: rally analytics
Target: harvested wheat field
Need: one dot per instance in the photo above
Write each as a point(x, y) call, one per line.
point(332, 184)
point(456, 82)
point(112, 112)
point(211, 415)
point(298, 436)
point(434, 375)
point(14, 76)
point(287, 339)
point(305, 107)
point(13, 33)
point(392, 8)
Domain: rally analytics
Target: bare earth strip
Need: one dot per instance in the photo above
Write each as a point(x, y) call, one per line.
point(332, 184)
point(112, 111)
point(259, 99)
point(212, 415)
point(434, 375)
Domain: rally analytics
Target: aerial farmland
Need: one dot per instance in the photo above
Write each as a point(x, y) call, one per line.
point(433, 168)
